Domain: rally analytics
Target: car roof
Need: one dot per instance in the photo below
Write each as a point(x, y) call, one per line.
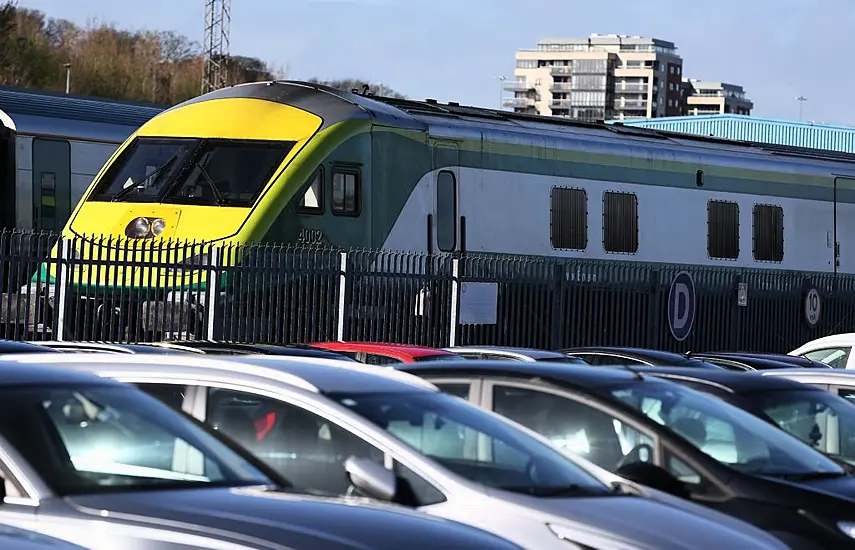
point(819, 374)
point(17, 346)
point(736, 382)
point(308, 373)
point(66, 346)
point(380, 347)
point(38, 368)
point(655, 354)
point(569, 374)
point(534, 353)
point(845, 339)
point(778, 357)
point(750, 360)
point(261, 349)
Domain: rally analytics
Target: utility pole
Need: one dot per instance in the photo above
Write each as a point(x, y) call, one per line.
point(801, 99)
point(217, 20)
point(501, 80)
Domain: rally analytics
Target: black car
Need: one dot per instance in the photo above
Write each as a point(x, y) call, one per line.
point(734, 360)
point(740, 362)
point(820, 418)
point(670, 437)
point(100, 347)
point(211, 347)
point(613, 356)
point(16, 346)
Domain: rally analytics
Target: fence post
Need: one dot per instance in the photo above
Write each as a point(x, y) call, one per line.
point(455, 282)
point(211, 295)
point(61, 288)
point(342, 296)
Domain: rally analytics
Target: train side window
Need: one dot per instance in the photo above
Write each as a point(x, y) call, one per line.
point(723, 230)
point(568, 218)
point(313, 199)
point(446, 211)
point(620, 222)
point(346, 193)
point(768, 233)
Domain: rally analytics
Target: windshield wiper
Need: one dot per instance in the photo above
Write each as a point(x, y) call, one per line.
point(557, 491)
point(156, 173)
point(221, 201)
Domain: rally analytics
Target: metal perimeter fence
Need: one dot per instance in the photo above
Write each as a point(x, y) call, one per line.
point(53, 288)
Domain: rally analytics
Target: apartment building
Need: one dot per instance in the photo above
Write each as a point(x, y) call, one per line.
point(701, 97)
point(603, 76)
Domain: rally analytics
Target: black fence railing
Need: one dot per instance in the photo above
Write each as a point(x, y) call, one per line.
point(113, 290)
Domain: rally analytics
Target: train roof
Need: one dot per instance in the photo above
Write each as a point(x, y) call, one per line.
point(58, 114)
point(334, 105)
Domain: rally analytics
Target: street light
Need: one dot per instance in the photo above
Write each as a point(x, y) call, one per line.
point(501, 80)
point(801, 99)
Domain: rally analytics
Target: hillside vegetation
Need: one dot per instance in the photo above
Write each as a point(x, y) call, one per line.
point(149, 66)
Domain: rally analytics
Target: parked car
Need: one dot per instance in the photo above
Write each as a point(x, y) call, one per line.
point(512, 354)
point(824, 421)
point(373, 353)
point(212, 347)
point(611, 356)
point(99, 347)
point(840, 382)
point(703, 447)
point(13, 538)
point(16, 346)
point(739, 362)
point(315, 419)
point(747, 360)
point(101, 464)
point(834, 350)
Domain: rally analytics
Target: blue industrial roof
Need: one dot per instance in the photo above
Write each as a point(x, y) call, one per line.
point(15, 101)
point(755, 129)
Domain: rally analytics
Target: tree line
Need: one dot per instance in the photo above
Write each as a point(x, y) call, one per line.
point(163, 67)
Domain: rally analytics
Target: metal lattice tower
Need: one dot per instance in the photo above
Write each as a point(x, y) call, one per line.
point(217, 19)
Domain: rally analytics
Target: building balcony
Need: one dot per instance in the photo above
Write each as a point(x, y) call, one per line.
point(518, 102)
point(561, 86)
point(631, 104)
point(560, 104)
point(517, 86)
point(559, 71)
point(633, 88)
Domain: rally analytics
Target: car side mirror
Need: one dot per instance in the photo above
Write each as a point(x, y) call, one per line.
point(655, 477)
point(371, 478)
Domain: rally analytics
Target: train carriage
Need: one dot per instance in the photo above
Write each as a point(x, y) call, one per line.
point(295, 162)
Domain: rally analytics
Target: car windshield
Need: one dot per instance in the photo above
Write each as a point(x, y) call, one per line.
point(472, 443)
point(97, 438)
point(207, 172)
point(728, 434)
point(819, 418)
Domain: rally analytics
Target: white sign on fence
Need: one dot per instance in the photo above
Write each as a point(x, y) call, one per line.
point(479, 303)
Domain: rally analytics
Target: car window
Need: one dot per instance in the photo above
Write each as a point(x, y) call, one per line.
point(819, 418)
point(575, 426)
point(88, 440)
point(835, 357)
point(847, 394)
point(471, 442)
point(376, 359)
point(457, 389)
point(171, 394)
point(302, 446)
point(724, 432)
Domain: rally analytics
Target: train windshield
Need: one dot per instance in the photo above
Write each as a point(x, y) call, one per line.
point(207, 172)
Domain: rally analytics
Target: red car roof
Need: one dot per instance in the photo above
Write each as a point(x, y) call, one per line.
point(400, 351)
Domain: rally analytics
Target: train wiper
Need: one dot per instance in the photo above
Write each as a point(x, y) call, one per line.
point(156, 173)
point(218, 196)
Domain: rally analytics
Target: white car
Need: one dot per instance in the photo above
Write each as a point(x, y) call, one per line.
point(402, 440)
point(834, 350)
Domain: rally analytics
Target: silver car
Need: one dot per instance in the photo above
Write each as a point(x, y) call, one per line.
point(402, 440)
point(101, 464)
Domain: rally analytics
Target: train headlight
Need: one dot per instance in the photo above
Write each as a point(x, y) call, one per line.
point(138, 228)
point(158, 226)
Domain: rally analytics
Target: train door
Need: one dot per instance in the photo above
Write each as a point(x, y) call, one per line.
point(51, 183)
point(446, 213)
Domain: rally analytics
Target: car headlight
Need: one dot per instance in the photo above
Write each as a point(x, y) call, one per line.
point(566, 534)
point(847, 527)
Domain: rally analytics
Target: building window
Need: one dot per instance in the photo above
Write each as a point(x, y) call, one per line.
point(446, 211)
point(723, 230)
point(620, 222)
point(568, 218)
point(768, 233)
point(312, 201)
point(346, 193)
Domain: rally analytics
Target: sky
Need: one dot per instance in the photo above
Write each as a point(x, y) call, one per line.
point(454, 50)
